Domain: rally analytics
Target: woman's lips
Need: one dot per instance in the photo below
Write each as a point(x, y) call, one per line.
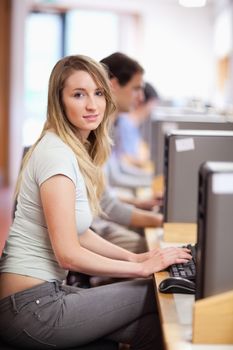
point(91, 117)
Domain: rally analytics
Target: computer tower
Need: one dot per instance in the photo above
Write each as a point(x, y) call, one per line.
point(214, 263)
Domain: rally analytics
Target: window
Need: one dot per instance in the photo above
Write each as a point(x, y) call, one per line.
point(43, 49)
point(92, 33)
point(48, 37)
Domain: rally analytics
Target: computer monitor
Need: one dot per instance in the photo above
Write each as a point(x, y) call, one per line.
point(161, 125)
point(215, 236)
point(185, 151)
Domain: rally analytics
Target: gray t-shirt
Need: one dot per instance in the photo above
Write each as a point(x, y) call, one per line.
point(28, 250)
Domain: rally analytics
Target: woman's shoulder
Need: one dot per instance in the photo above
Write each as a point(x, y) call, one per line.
point(52, 144)
point(52, 152)
point(52, 156)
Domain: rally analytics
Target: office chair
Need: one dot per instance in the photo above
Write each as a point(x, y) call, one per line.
point(25, 149)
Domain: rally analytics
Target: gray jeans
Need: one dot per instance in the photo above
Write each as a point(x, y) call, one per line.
point(53, 315)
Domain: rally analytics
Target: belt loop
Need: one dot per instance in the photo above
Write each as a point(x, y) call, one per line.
point(16, 311)
point(56, 286)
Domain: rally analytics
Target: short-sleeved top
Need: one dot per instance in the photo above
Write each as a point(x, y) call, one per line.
point(28, 250)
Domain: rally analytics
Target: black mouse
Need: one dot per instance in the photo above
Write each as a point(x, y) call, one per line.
point(177, 285)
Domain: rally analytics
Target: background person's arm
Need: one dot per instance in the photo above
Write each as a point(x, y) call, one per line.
point(144, 218)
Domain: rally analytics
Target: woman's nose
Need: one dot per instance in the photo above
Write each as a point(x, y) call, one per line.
point(91, 102)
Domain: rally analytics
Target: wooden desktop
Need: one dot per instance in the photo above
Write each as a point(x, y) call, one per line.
point(186, 324)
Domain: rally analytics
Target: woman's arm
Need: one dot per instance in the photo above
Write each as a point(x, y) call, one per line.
point(92, 241)
point(87, 255)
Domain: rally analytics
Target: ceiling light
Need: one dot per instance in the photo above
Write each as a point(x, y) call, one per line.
point(192, 3)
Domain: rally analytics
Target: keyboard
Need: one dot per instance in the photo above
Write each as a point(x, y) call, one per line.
point(187, 270)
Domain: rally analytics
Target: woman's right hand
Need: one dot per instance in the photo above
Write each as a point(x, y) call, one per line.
point(164, 257)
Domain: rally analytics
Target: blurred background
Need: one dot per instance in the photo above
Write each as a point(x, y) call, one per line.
point(186, 52)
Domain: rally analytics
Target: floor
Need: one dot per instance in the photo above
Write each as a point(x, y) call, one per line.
point(6, 200)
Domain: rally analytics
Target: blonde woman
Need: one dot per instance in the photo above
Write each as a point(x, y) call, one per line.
point(58, 195)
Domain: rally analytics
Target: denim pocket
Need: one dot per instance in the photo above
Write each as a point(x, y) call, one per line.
point(46, 309)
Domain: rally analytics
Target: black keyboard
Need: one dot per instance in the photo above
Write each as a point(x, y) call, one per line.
point(187, 270)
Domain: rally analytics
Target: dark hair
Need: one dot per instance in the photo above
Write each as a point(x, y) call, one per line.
point(150, 92)
point(121, 67)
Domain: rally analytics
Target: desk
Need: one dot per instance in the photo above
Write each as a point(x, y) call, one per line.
point(175, 309)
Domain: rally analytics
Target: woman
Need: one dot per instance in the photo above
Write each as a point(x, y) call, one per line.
point(58, 194)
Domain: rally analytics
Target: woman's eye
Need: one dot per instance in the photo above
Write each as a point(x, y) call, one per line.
point(99, 93)
point(78, 94)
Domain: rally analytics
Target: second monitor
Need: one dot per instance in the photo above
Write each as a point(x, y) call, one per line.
point(185, 151)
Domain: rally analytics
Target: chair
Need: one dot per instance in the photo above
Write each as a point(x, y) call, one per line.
point(25, 149)
point(102, 344)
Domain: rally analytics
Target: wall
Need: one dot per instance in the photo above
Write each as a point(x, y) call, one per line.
point(223, 33)
point(174, 44)
point(178, 51)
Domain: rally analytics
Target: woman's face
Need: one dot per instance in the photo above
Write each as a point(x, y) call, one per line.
point(84, 102)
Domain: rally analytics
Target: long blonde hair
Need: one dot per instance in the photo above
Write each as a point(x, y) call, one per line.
point(93, 153)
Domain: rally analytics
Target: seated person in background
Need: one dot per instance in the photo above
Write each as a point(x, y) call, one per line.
point(58, 193)
point(131, 150)
point(126, 76)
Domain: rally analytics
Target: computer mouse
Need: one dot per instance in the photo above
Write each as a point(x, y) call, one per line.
point(177, 285)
